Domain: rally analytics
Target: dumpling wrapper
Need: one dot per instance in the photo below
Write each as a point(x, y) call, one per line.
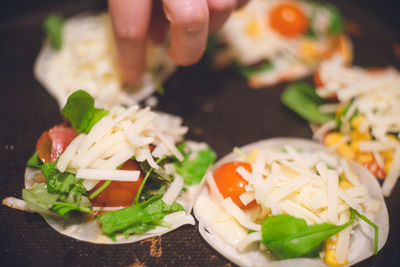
point(88, 60)
point(361, 245)
point(85, 229)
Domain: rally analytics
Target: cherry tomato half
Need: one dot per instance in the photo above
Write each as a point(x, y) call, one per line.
point(53, 142)
point(231, 184)
point(43, 147)
point(288, 20)
point(118, 193)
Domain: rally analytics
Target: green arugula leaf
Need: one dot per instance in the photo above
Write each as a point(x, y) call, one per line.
point(302, 99)
point(192, 170)
point(34, 161)
point(156, 174)
point(62, 194)
point(80, 111)
point(337, 25)
point(138, 218)
point(289, 237)
point(53, 26)
point(249, 71)
point(39, 196)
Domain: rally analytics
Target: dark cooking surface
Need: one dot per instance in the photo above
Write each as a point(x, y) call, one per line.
point(217, 106)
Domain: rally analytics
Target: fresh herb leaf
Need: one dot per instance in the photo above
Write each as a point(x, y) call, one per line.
point(148, 173)
point(80, 111)
point(39, 196)
point(63, 193)
point(53, 26)
point(138, 218)
point(34, 161)
point(337, 25)
point(290, 237)
point(159, 174)
point(302, 99)
point(249, 71)
point(191, 169)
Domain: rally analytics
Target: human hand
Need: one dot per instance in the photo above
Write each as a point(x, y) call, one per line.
point(189, 22)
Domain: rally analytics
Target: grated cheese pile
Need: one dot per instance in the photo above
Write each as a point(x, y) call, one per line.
point(372, 122)
point(119, 136)
point(88, 60)
point(315, 186)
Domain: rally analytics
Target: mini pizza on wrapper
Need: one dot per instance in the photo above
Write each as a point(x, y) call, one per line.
point(355, 112)
point(288, 201)
point(271, 41)
point(113, 176)
point(80, 53)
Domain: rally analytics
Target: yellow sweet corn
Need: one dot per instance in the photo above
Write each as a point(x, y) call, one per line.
point(253, 28)
point(307, 49)
point(333, 138)
point(356, 121)
point(388, 156)
point(364, 157)
point(253, 155)
point(346, 151)
point(357, 136)
point(344, 184)
point(355, 146)
point(330, 257)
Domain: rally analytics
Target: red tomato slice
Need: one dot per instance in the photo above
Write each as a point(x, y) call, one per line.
point(376, 170)
point(231, 184)
point(118, 193)
point(288, 20)
point(53, 142)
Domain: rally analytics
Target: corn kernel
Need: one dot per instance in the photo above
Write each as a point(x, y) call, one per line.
point(346, 151)
point(330, 257)
point(345, 184)
point(333, 138)
point(253, 155)
point(364, 157)
point(253, 28)
point(355, 146)
point(357, 136)
point(356, 121)
point(388, 156)
point(307, 49)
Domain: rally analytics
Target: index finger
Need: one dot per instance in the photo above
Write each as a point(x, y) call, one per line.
point(188, 29)
point(130, 20)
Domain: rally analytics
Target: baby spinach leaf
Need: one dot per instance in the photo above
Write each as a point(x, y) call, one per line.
point(191, 169)
point(302, 99)
point(34, 161)
point(53, 26)
point(80, 111)
point(138, 218)
point(290, 237)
